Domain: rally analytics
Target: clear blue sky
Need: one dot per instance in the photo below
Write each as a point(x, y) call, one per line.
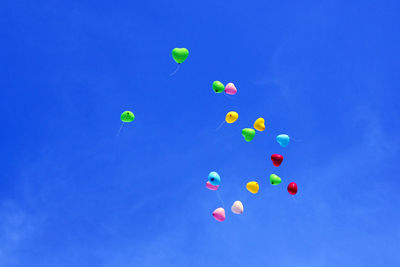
point(74, 194)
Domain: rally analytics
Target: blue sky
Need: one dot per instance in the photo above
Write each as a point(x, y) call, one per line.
point(74, 194)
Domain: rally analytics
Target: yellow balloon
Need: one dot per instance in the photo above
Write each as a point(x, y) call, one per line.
point(259, 125)
point(252, 187)
point(231, 117)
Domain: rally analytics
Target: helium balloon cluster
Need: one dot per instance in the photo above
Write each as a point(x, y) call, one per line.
point(213, 182)
point(248, 134)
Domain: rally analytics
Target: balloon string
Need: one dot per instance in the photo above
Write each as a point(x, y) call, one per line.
point(177, 68)
point(120, 128)
point(220, 126)
point(220, 199)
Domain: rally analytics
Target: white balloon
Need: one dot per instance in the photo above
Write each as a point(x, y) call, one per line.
point(237, 207)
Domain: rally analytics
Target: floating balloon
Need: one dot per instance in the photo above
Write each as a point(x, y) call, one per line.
point(276, 159)
point(283, 140)
point(292, 188)
point(127, 116)
point(218, 87)
point(180, 54)
point(275, 179)
point(230, 89)
point(248, 134)
point(211, 187)
point(231, 117)
point(214, 178)
point(259, 125)
point(219, 214)
point(253, 187)
point(237, 207)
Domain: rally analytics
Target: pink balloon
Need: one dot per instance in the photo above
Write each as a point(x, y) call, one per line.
point(230, 89)
point(219, 214)
point(211, 187)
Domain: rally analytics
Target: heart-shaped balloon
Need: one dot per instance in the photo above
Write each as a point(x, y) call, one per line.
point(253, 187)
point(237, 207)
point(127, 116)
point(218, 87)
point(219, 214)
point(211, 187)
point(292, 188)
point(259, 124)
point(276, 159)
point(283, 140)
point(214, 178)
point(230, 89)
point(180, 54)
point(231, 117)
point(248, 134)
point(275, 179)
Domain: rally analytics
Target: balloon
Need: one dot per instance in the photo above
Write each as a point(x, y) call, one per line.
point(259, 125)
point(252, 187)
point(180, 54)
point(231, 117)
point(218, 87)
point(212, 187)
point(276, 159)
point(230, 89)
point(275, 179)
point(283, 140)
point(237, 207)
point(127, 116)
point(248, 134)
point(219, 214)
point(292, 188)
point(214, 178)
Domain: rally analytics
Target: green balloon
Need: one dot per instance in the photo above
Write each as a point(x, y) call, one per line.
point(180, 54)
point(127, 116)
point(248, 134)
point(218, 87)
point(275, 179)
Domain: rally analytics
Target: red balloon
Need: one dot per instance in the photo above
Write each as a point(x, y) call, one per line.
point(292, 188)
point(276, 159)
